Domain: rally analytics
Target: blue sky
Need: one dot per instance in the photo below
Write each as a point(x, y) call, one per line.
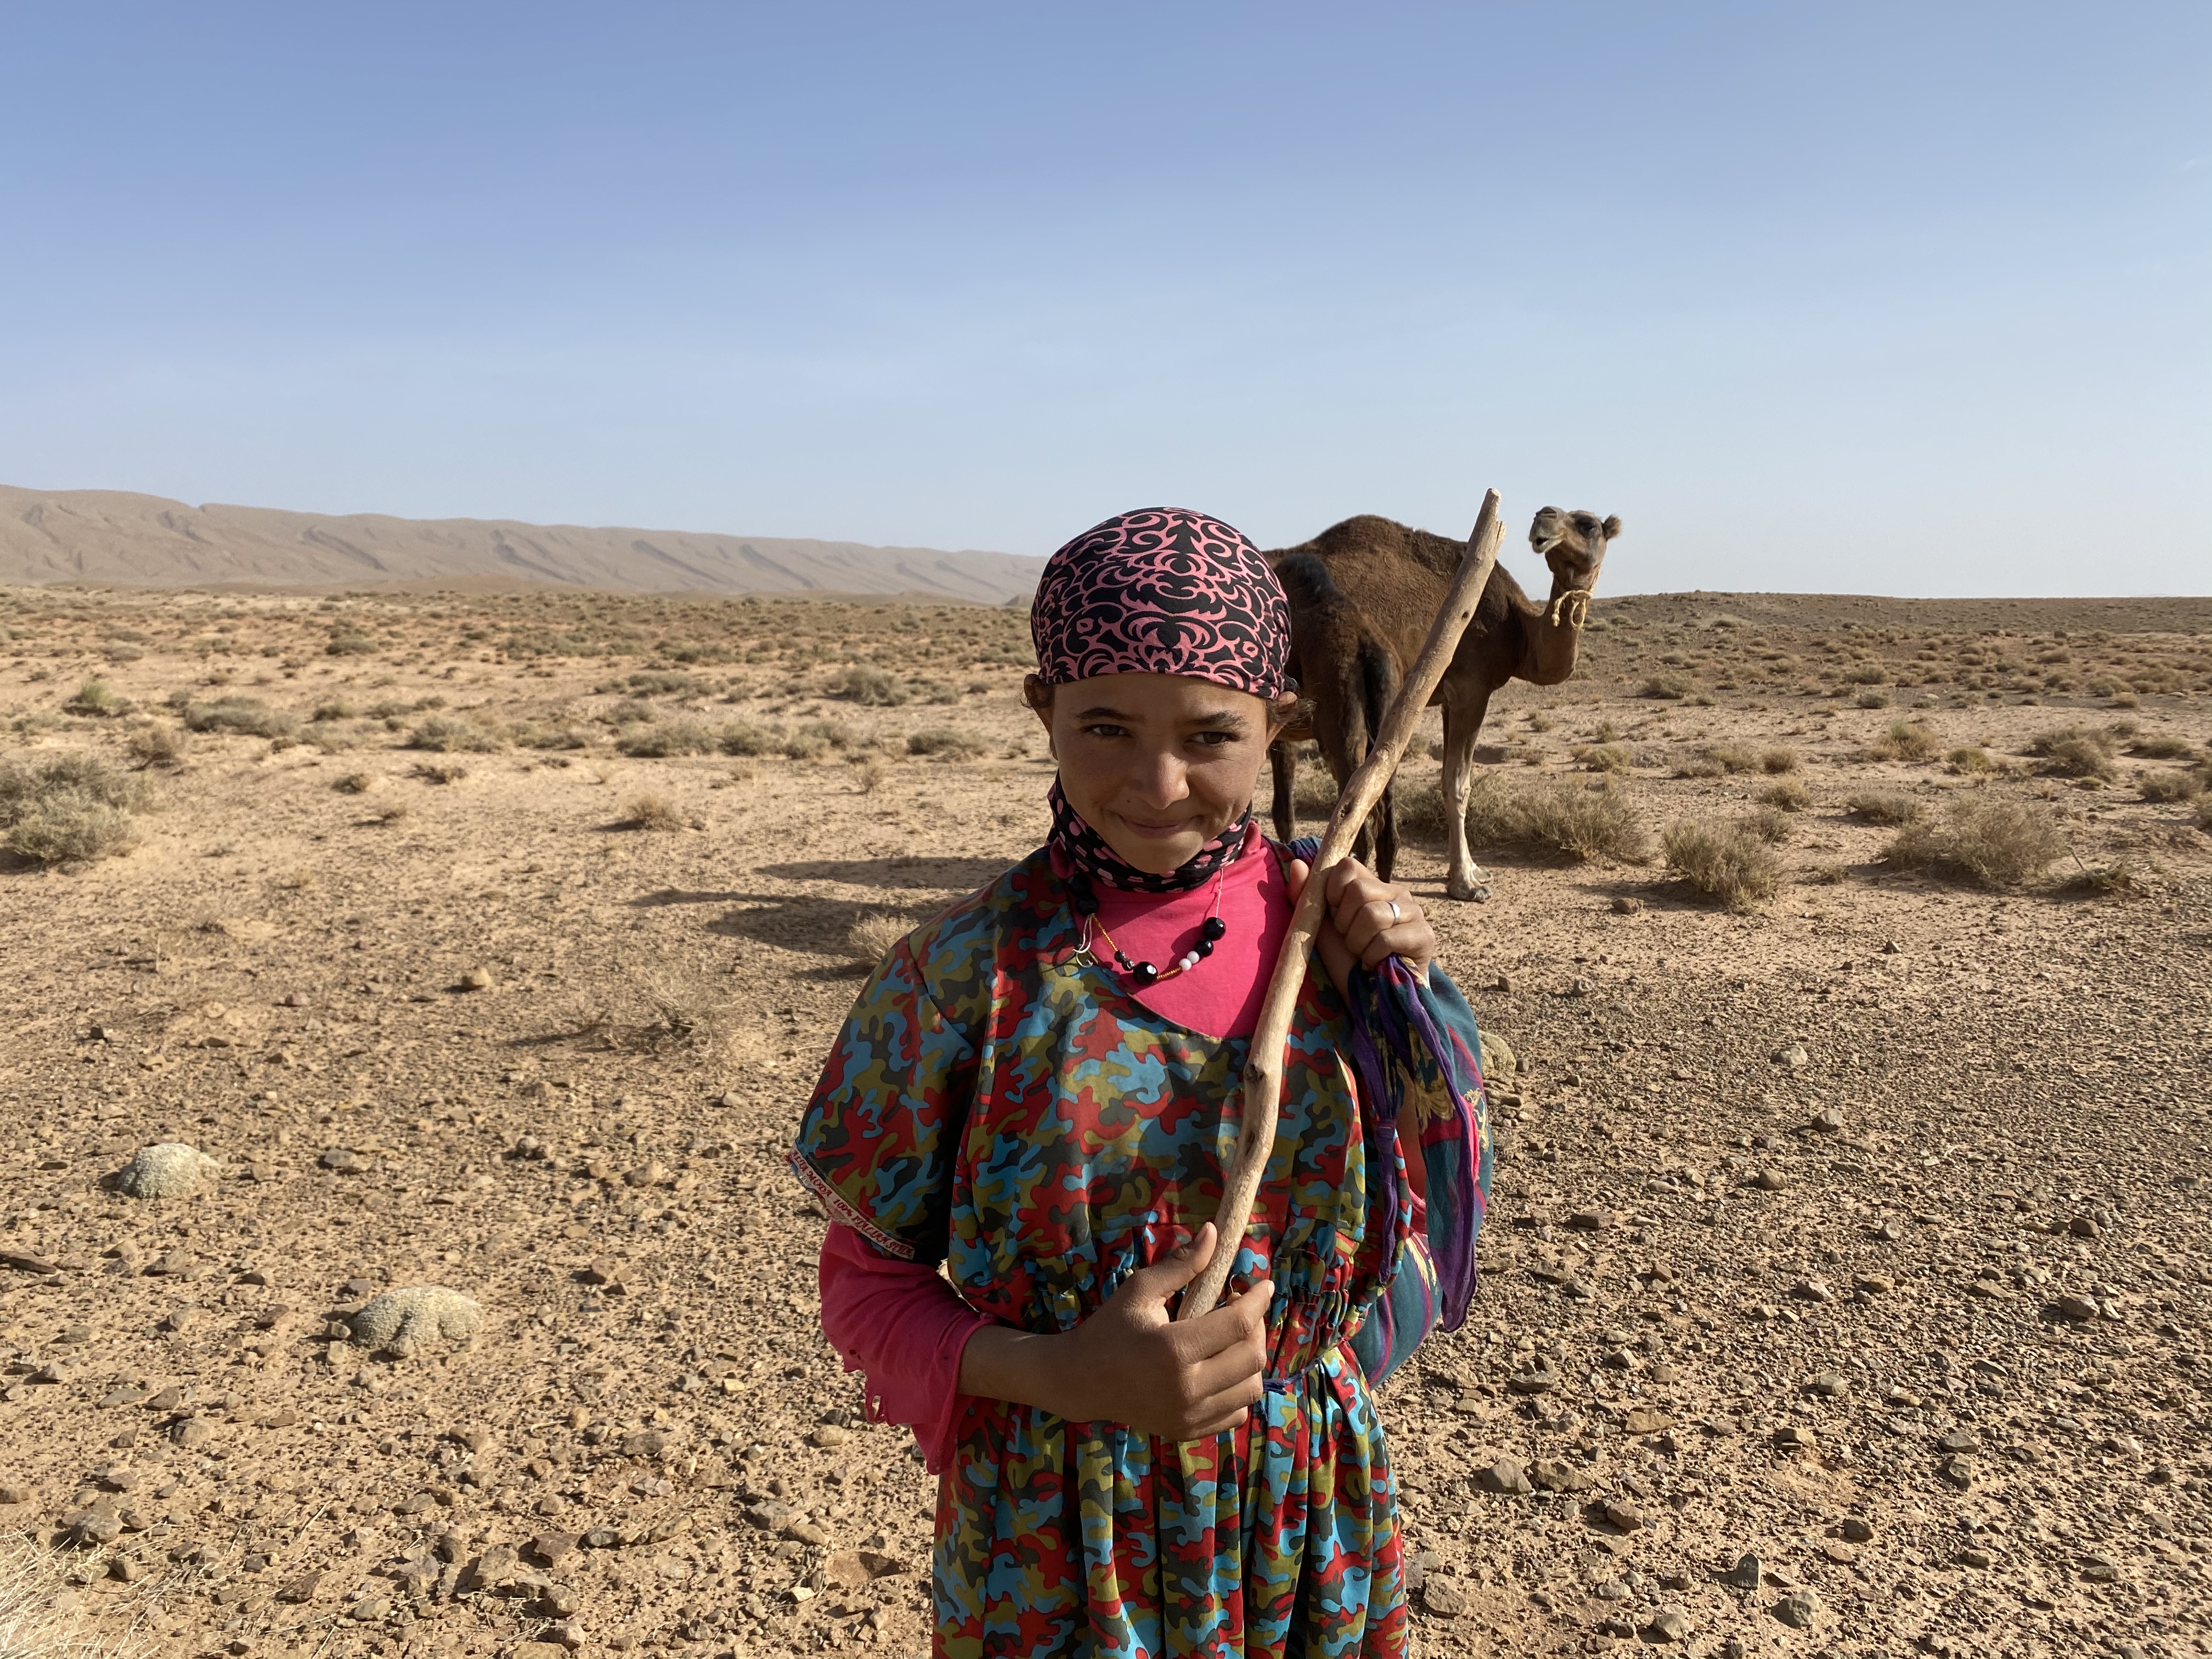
point(1910, 299)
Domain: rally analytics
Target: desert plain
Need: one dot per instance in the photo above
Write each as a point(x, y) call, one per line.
point(1843, 1288)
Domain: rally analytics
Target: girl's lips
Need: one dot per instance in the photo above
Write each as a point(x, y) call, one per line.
point(1156, 831)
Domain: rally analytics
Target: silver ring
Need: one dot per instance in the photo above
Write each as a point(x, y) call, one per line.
point(1394, 912)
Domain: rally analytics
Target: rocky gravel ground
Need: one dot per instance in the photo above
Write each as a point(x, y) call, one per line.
point(1844, 1289)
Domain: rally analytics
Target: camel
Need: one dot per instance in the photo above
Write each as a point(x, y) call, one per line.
point(1362, 595)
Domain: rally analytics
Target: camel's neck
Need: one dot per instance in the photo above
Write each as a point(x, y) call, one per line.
point(1552, 635)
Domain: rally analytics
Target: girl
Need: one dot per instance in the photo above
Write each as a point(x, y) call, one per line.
point(1030, 1095)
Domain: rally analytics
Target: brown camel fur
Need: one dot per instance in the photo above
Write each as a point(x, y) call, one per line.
point(1362, 594)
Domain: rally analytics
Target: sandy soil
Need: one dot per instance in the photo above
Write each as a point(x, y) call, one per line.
point(479, 1033)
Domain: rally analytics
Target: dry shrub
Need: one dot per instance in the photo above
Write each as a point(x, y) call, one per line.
point(874, 933)
point(668, 1012)
point(870, 687)
point(444, 734)
point(72, 808)
point(157, 745)
point(531, 735)
point(742, 737)
point(2204, 811)
point(652, 811)
point(95, 699)
point(1732, 757)
point(948, 743)
point(1556, 818)
point(1778, 760)
point(438, 771)
point(1970, 758)
point(1771, 825)
point(2116, 881)
point(1995, 843)
point(1788, 796)
point(1883, 806)
point(1905, 740)
point(1665, 685)
point(663, 738)
point(2074, 751)
point(243, 716)
point(2169, 785)
point(1727, 862)
point(393, 812)
point(356, 783)
point(869, 773)
point(333, 709)
point(2161, 747)
point(1605, 757)
point(1872, 700)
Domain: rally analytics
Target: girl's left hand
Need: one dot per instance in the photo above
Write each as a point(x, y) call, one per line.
point(1367, 921)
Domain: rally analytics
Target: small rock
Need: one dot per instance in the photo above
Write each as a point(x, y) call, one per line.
point(1829, 1385)
point(1621, 1514)
point(343, 1160)
point(1590, 1221)
point(1973, 1557)
point(1506, 1478)
point(302, 1588)
point(407, 1321)
point(1443, 1598)
point(1958, 1471)
point(91, 1531)
point(1812, 1290)
point(1856, 1528)
point(2079, 1308)
point(1798, 1609)
point(168, 1169)
point(1873, 1284)
point(1582, 987)
point(1959, 1440)
point(645, 1443)
point(1745, 1574)
point(1556, 1475)
point(1828, 1121)
point(829, 1435)
point(124, 1570)
point(478, 979)
point(1793, 1435)
point(293, 999)
point(1769, 1181)
point(2084, 1226)
point(1647, 1420)
point(1626, 905)
point(1667, 1624)
point(1793, 1055)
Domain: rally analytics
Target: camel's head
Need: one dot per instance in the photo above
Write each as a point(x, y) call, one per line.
point(1573, 544)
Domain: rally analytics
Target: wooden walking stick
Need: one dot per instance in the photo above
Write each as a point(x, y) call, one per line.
point(1263, 1068)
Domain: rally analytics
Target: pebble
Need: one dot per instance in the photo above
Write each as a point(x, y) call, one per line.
point(1830, 1384)
point(1625, 904)
point(831, 1435)
point(478, 979)
point(1960, 1440)
point(1873, 1284)
point(1667, 1624)
point(1508, 1477)
point(1746, 1574)
point(1856, 1528)
point(1443, 1598)
point(2084, 1226)
point(1795, 1435)
point(2079, 1308)
point(1812, 1289)
point(1828, 1121)
point(168, 1169)
point(343, 1160)
point(1793, 1055)
point(405, 1322)
point(1769, 1181)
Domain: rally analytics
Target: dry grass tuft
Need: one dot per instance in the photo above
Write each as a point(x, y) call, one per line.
point(1605, 757)
point(356, 783)
point(1778, 760)
point(2074, 751)
point(154, 744)
point(874, 933)
point(241, 716)
point(665, 1012)
point(445, 734)
point(1883, 806)
point(69, 810)
point(1994, 843)
point(2169, 785)
point(40, 1618)
point(869, 773)
point(94, 698)
point(652, 811)
point(2161, 747)
point(948, 743)
point(1729, 863)
point(1788, 795)
point(1905, 740)
point(660, 739)
point(2113, 881)
point(870, 687)
point(1771, 824)
point(1970, 758)
point(438, 771)
point(1555, 818)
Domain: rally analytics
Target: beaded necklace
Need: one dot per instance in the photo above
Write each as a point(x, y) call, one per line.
point(1093, 860)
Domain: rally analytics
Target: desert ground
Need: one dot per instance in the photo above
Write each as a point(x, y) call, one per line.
point(1843, 1289)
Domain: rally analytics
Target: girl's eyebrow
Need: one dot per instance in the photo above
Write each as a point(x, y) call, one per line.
point(1103, 712)
point(1224, 720)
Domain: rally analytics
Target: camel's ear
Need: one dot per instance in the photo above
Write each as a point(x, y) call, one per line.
point(1612, 527)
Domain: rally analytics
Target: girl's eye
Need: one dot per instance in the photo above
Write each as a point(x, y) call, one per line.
point(1213, 739)
point(1103, 730)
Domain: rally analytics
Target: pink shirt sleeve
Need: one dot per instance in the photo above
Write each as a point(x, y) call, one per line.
point(903, 1326)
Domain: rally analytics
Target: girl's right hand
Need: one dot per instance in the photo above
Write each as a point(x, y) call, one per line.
point(1131, 1361)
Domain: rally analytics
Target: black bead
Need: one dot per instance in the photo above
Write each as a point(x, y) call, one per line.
point(1212, 929)
point(1204, 947)
point(1144, 974)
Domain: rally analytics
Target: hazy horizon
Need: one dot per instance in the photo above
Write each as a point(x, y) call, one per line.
point(1862, 300)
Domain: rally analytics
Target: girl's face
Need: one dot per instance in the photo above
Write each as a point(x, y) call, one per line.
point(1157, 764)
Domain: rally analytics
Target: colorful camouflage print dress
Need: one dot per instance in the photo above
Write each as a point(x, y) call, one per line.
point(995, 1103)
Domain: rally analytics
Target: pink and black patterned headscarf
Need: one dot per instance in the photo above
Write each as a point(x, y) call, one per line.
point(1162, 590)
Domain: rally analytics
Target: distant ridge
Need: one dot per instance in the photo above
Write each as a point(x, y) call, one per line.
point(112, 537)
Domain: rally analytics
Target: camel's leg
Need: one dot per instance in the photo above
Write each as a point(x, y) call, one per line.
point(1386, 836)
point(1463, 725)
point(1284, 757)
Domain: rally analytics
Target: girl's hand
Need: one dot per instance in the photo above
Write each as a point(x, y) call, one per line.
point(1131, 1363)
point(1367, 921)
